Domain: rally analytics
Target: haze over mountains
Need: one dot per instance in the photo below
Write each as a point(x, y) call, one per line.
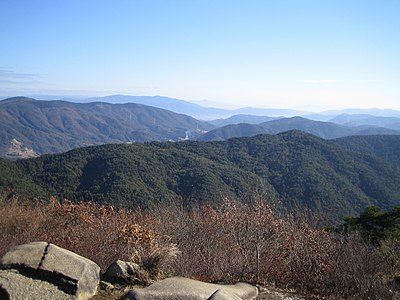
point(29, 127)
point(326, 130)
point(209, 113)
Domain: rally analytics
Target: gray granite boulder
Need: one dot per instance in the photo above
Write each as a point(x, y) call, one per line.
point(24, 256)
point(178, 288)
point(123, 272)
point(68, 271)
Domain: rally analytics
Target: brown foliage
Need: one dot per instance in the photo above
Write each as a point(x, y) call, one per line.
point(98, 232)
point(237, 242)
point(250, 242)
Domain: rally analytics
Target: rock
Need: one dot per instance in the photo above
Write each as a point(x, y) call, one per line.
point(106, 286)
point(82, 273)
point(223, 295)
point(15, 286)
point(70, 272)
point(24, 256)
point(178, 288)
point(123, 272)
point(16, 150)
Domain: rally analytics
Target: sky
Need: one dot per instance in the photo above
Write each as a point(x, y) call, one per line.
point(308, 54)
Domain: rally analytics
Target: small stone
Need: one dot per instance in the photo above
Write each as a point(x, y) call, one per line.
point(106, 286)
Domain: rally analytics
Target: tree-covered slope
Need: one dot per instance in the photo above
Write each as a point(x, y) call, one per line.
point(324, 130)
point(56, 126)
point(311, 171)
point(139, 175)
point(298, 168)
point(385, 147)
point(15, 181)
point(232, 131)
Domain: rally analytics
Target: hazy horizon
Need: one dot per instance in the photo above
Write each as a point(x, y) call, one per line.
point(299, 54)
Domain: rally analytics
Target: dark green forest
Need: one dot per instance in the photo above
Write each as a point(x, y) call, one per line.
point(294, 168)
point(375, 225)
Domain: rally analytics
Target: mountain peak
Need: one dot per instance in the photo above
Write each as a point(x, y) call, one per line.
point(18, 99)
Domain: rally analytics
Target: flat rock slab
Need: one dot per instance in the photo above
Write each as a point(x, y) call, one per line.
point(70, 272)
point(14, 286)
point(179, 288)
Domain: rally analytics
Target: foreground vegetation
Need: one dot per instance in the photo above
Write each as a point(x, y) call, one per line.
point(250, 242)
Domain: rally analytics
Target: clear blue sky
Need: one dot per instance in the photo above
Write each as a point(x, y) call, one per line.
point(281, 53)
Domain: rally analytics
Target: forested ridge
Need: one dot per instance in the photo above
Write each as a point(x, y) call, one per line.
point(295, 168)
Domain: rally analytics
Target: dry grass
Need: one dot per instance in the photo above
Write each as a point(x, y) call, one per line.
point(98, 232)
point(237, 242)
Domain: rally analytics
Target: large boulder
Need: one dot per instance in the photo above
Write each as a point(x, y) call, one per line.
point(178, 288)
point(70, 272)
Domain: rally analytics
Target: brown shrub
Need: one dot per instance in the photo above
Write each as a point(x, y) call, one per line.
point(98, 232)
point(250, 242)
point(236, 242)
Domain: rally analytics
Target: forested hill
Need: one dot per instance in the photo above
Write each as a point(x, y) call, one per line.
point(386, 147)
point(296, 167)
point(57, 126)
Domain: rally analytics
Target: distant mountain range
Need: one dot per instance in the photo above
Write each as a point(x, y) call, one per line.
point(57, 126)
point(242, 118)
point(364, 119)
point(29, 127)
point(369, 111)
point(326, 130)
point(191, 109)
point(171, 104)
point(334, 177)
point(209, 113)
